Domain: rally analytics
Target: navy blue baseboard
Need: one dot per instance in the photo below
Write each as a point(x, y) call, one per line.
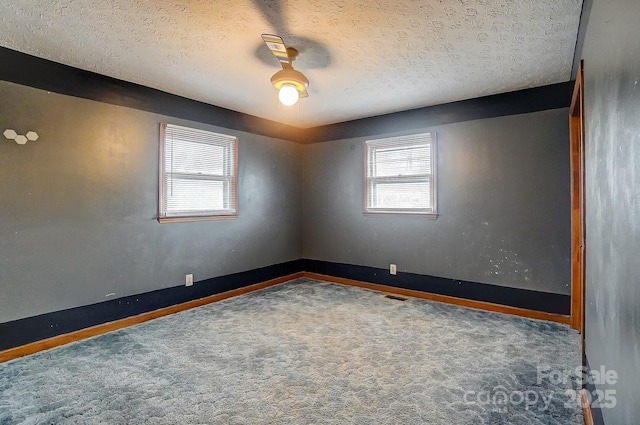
point(36, 328)
point(512, 297)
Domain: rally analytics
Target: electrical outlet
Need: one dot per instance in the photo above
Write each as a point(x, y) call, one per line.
point(188, 280)
point(392, 268)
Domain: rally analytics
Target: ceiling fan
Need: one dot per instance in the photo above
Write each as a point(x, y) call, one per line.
point(291, 84)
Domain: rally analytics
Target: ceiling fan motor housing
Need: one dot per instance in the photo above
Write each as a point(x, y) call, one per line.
point(290, 76)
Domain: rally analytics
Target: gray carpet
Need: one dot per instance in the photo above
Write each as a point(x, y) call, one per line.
point(306, 352)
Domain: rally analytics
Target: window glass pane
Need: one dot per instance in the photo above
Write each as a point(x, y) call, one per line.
point(198, 173)
point(402, 161)
point(194, 195)
point(401, 174)
point(195, 158)
point(401, 195)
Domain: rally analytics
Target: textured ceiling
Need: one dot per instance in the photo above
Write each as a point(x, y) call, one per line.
point(362, 58)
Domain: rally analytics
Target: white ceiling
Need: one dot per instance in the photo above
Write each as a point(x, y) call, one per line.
point(362, 58)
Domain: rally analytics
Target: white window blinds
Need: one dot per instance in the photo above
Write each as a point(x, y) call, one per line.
point(400, 175)
point(198, 173)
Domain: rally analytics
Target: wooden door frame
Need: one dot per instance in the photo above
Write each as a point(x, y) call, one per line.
point(576, 120)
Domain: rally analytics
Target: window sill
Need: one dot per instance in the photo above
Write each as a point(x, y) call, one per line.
point(196, 218)
point(431, 216)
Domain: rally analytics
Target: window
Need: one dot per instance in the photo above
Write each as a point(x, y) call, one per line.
point(198, 174)
point(400, 175)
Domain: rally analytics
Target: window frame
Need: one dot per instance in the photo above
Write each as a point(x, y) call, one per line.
point(193, 215)
point(407, 142)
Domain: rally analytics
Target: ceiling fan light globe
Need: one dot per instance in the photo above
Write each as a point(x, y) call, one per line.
point(288, 95)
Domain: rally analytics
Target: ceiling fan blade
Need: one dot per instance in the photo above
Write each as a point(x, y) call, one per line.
point(303, 94)
point(277, 47)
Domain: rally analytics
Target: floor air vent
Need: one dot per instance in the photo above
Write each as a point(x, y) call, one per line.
point(395, 297)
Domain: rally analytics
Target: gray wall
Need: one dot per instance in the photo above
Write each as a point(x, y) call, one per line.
point(78, 207)
point(503, 200)
point(612, 111)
